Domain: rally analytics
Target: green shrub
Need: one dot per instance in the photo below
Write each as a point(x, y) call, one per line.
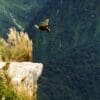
point(7, 91)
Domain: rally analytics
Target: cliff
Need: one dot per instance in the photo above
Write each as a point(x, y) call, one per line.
point(22, 76)
point(18, 78)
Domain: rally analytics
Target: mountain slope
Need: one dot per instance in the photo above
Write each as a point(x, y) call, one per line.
point(70, 53)
point(17, 13)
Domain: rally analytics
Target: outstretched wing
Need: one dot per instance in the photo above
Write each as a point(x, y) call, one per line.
point(44, 23)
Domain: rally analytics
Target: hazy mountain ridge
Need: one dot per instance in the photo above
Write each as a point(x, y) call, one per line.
point(70, 52)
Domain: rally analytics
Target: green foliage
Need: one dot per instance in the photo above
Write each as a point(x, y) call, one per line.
point(7, 91)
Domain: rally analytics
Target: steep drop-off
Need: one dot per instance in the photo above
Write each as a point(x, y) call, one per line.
point(70, 52)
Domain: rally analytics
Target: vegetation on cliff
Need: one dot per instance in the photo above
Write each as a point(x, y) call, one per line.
point(17, 47)
point(9, 93)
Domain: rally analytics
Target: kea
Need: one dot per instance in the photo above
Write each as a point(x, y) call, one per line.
point(43, 25)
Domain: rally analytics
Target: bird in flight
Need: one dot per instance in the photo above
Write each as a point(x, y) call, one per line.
point(43, 25)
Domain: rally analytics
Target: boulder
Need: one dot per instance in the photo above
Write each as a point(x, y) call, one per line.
point(23, 75)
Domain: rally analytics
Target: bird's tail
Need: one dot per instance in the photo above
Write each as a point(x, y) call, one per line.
point(36, 26)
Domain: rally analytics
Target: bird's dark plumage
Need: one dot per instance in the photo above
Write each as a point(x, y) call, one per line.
point(43, 25)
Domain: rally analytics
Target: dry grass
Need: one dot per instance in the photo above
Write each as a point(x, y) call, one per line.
point(17, 47)
point(8, 92)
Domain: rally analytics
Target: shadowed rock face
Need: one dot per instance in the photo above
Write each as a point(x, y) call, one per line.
point(24, 75)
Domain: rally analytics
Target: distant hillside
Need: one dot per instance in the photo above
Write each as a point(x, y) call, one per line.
point(17, 13)
point(71, 51)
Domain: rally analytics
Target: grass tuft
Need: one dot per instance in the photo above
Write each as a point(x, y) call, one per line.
point(17, 47)
point(7, 92)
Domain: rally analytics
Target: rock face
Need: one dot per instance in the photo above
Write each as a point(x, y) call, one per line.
point(24, 76)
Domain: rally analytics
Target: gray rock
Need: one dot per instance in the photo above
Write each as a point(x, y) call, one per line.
point(23, 75)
